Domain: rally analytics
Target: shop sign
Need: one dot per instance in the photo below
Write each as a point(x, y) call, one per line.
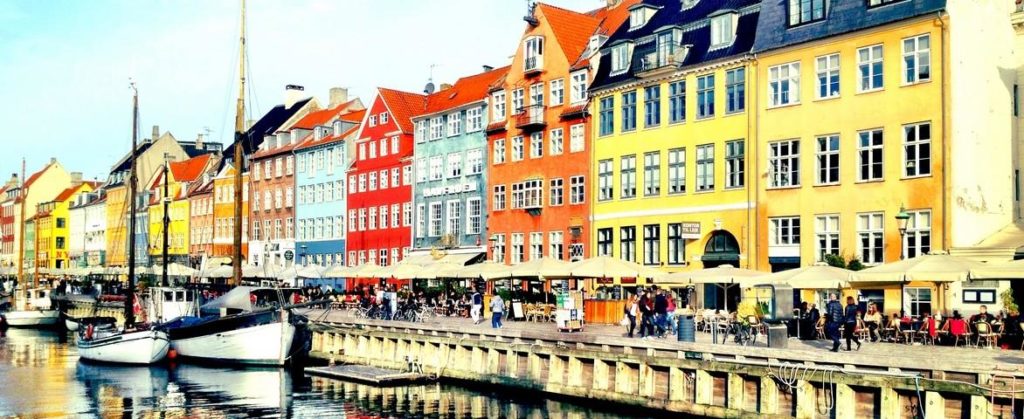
point(691, 230)
point(449, 189)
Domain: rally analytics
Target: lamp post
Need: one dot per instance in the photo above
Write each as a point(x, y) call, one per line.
point(901, 221)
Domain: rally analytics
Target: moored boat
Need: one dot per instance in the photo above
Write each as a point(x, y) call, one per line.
point(100, 341)
point(38, 313)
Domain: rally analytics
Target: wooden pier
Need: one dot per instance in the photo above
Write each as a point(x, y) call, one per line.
point(366, 374)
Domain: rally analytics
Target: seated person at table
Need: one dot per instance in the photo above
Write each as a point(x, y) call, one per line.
point(1012, 332)
point(873, 319)
point(928, 325)
point(983, 316)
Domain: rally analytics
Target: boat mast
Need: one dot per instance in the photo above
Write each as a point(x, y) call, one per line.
point(129, 315)
point(167, 216)
point(236, 260)
point(21, 241)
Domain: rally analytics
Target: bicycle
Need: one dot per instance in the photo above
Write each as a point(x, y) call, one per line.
point(743, 334)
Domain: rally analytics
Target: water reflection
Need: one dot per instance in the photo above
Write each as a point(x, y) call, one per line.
point(40, 375)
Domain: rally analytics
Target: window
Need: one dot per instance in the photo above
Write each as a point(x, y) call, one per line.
point(533, 53)
point(267, 167)
point(498, 106)
point(827, 67)
point(706, 96)
point(869, 151)
point(370, 146)
point(826, 234)
point(652, 244)
point(577, 190)
point(536, 145)
point(421, 220)
point(499, 151)
point(394, 147)
point(605, 190)
point(373, 120)
point(536, 245)
point(579, 86)
point(555, 245)
point(436, 168)
point(805, 11)
point(454, 124)
point(557, 191)
point(475, 161)
point(437, 128)
point(474, 119)
point(498, 201)
point(918, 239)
point(454, 218)
point(828, 160)
point(556, 141)
point(629, 111)
point(406, 214)
point(256, 230)
point(278, 167)
point(652, 106)
point(517, 101)
point(735, 164)
point(869, 65)
point(352, 220)
point(517, 248)
point(607, 115)
point(383, 150)
point(474, 213)
point(735, 90)
point(435, 219)
point(576, 140)
point(677, 102)
point(676, 245)
point(352, 184)
point(916, 59)
point(705, 167)
point(373, 184)
point(722, 32)
point(652, 173)
point(677, 171)
point(383, 181)
point(362, 219)
point(277, 198)
point(870, 243)
point(918, 300)
point(784, 163)
point(373, 218)
point(421, 170)
point(517, 148)
point(604, 242)
point(528, 194)
point(454, 165)
point(620, 58)
point(627, 176)
point(784, 84)
point(784, 231)
point(396, 177)
point(289, 193)
point(627, 243)
point(537, 94)
point(979, 296)
point(289, 165)
point(917, 150)
point(421, 131)
point(557, 92)
point(394, 215)
point(638, 17)
point(498, 248)
point(383, 214)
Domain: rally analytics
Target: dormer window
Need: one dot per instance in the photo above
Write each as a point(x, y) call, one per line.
point(639, 15)
point(723, 29)
point(621, 56)
point(337, 128)
point(806, 11)
point(595, 42)
point(687, 4)
point(533, 54)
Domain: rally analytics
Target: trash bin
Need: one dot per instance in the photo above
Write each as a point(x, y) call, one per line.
point(778, 335)
point(685, 329)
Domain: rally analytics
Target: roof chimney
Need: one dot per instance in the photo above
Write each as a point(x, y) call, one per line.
point(199, 141)
point(445, 86)
point(156, 132)
point(292, 95)
point(76, 178)
point(338, 95)
point(53, 160)
point(13, 182)
point(487, 68)
point(613, 3)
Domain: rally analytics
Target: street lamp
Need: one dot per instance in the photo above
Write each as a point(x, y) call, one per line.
point(901, 221)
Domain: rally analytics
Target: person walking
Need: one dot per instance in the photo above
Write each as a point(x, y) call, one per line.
point(646, 306)
point(660, 311)
point(631, 311)
point(834, 318)
point(850, 329)
point(497, 309)
point(478, 306)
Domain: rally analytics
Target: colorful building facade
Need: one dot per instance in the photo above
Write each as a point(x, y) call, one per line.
point(53, 225)
point(273, 214)
point(224, 213)
point(41, 186)
point(171, 186)
point(201, 220)
point(87, 217)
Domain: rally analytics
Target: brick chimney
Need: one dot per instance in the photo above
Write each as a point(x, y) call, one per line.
point(199, 141)
point(487, 68)
point(445, 86)
point(76, 178)
point(156, 133)
point(13, 181)
point(292, 95)
point(338, 95)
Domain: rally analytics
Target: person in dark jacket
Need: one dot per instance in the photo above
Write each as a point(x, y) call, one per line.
point(660, 312)
point(850, 317)
point(646, 306)
point(834, 318)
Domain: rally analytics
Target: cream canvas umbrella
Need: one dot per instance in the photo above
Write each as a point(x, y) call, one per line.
point(540, 268)
point(338, 271)
point(933, 267)
point(367, 270)
point(815, 277)
point(1001, 270)
point(609, 267)
point(438, 270)
point(174, 269)
point(262, 271)
point(401, 270)
point(484, 270)
point(722, 274)
point(311, 271)
point(223, 271)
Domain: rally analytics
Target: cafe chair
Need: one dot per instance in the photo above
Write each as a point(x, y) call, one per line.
point(862, 331)
point(819, 329)
point(985, 333)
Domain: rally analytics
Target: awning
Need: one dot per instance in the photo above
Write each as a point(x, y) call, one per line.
point(1001, 246)
point(427, 258)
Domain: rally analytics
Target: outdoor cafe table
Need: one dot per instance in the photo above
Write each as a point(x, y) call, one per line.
point(603, 311)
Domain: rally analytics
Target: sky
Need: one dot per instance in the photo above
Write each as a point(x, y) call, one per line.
point(65, 65)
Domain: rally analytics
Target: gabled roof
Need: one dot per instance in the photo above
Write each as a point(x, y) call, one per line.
point(611, 19)
point(842, 16)
point(269, 124)
point(311, 141)
point(572, 30)
point(35, 176)
point(191, 169)
point(465, 90)
point(70, 191)
point(403, 105)
point(259, 154)
point(322, 117)
point(696, 32)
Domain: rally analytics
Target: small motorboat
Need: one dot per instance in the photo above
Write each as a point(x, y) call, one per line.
point(99, 340)
point(39, 312)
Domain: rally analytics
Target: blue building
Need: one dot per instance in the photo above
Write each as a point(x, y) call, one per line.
point(320, 190)
point(450, 189)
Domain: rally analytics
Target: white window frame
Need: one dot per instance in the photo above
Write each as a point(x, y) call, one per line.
point(826, 236)
point(784, 231)
point(919, 227)
point(870, 65)
point(871, 226)
point(474, 119)
point(454, 124)
point(784, 84)
point(828, 79)
point(784, 163)
point(914, 142)
point(827, 159)
point(915, 58)
point(870, 155)
point(577, 139)
point(474, 215)
point(536, 145)
point(557, 92)
point(499, 151)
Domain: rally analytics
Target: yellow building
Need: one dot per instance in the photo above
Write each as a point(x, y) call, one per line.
point(855, 129)
point(671, 133)
point(179, 175)
point(52, 225)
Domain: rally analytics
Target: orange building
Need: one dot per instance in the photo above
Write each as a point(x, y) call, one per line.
point(538, 136)
point(200, 205)
point(224, 212)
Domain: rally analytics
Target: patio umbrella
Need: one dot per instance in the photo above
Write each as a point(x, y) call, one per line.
point(263, 271)
point(722, 274)
point(401, 270)
point(311, 271)
point(819, 276)
point(338, 271)
point(1000, 270)
point(367, 270)
point(173, 269)
point(540, 268)
point(287, 274)
point(933, 267)
point(484, 270)
point(223, 271)
point(609, 267)
point(438, 270)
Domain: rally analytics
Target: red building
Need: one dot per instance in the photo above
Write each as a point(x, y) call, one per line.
point(380, 219)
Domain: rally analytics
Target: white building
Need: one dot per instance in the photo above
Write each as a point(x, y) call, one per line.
point(87, 224)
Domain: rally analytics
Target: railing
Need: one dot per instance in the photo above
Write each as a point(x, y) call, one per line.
point(531, 116)
point(533, 64)
point(652, 61)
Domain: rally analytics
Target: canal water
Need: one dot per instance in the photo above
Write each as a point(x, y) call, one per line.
point(41, 376)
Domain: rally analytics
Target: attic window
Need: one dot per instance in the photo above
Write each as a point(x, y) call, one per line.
point(805, 11)
point(620, 57)
point(723, 29)
point(687, 4)
point(639, 15)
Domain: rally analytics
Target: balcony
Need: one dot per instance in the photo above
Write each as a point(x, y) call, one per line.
point(654, 63)
point(531, 118)
point(533, 65)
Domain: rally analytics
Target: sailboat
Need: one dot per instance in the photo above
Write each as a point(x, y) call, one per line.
point(235, 328)
point(134, 344)
point(39, 310)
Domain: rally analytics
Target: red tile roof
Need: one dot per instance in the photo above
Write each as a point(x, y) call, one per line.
point(354, 116)
point(572, 30)
point(610, 19)
point(322, 117)
point(67, 193)
point(35, 176)
point(311, 141)
point(189, 170)
point(279, 150)
point(465, 90)
point(403, 106)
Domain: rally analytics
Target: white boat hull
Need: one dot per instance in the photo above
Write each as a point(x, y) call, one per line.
point(71, 325)
point(144, 347)
point(266, 344)
point(32, 318)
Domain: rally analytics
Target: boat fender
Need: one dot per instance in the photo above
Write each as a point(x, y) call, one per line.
point(88, 331)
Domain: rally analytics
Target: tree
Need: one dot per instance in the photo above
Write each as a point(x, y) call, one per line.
point(838, 261)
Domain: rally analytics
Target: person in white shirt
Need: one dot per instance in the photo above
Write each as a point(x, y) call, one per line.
point(497, 309)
